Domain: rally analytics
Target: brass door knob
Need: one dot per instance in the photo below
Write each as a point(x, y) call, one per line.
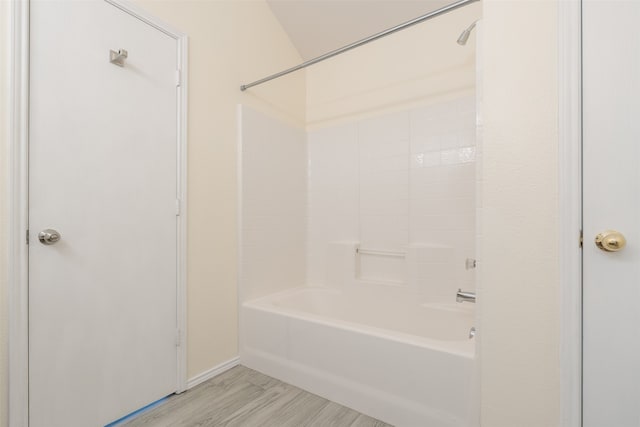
point(611, 241)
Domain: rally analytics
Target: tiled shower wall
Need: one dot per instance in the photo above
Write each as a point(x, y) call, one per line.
point(394, 182)
point(273, 208)
point(401, 182)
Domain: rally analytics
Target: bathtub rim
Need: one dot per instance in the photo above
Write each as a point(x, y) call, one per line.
point(460, 348)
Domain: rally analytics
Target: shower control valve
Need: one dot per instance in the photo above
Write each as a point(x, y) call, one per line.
point(470, 263)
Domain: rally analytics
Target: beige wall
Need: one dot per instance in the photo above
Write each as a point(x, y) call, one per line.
point(233, 42)
point(230, 42)
point(418, 66)
point(4, 104)
point(519, 257)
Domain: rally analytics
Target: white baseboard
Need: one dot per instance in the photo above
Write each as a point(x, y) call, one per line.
point(213, 372)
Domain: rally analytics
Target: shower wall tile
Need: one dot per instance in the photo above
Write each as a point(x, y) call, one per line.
point(459, 173)
point(383, 145)
point(431, 270)
point(333, 195)
point(384, 232)
point(398, 181)
point(442, 206)
point(443, 186)
point(433, 279)
point(427, 159)
point(382, 269)
point(380, 133)
point(273, 207)
point(384, 193)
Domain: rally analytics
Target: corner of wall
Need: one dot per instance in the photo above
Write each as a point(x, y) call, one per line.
point(418, 66)
point(520, 322)
point(230, 43)
point(5, 52)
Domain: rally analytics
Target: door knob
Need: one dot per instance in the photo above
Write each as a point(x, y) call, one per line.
point(48, 236)
point(611, 241)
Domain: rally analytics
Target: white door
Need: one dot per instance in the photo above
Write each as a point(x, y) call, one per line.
point(611, 103)
point(103, 168)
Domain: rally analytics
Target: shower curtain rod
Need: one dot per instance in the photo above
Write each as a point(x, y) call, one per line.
point(426, 17)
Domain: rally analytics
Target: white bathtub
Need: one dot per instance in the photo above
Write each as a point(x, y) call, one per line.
point(390, 356)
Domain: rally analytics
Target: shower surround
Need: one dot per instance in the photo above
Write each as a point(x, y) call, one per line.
point(353, 244)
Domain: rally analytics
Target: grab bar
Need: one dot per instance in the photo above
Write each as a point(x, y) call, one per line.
point(380, 252)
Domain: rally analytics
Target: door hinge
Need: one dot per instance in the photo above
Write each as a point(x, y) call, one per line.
point(178, 338)
point(581, 239)
point(26, 238)
point(178, 78)
point(177, 207)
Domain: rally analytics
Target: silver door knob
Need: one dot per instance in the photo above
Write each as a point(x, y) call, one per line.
point(48, 236)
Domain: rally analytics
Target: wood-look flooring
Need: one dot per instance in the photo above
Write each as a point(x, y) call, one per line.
point(242, 397)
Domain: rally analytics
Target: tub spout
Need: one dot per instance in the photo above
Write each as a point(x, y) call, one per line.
point(465, 296)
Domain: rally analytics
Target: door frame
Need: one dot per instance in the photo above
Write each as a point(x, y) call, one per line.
point(570, 208)
point(18, 201)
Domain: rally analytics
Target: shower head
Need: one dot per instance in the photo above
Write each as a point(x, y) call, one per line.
point(464, 36)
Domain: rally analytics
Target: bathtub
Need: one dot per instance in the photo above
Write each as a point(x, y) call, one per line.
point(388, 355)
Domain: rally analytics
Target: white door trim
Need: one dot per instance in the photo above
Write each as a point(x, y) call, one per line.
point(18, 193)
point(570, 203)
point(18, 257)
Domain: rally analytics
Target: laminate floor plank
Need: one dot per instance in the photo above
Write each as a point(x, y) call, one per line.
point(365, 421)
point(242, 397)
point(272, 402)
point(200, 406)
point(333, 415)
point(292, 413)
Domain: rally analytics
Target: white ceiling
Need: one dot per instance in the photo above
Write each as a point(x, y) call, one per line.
point(319, 26)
